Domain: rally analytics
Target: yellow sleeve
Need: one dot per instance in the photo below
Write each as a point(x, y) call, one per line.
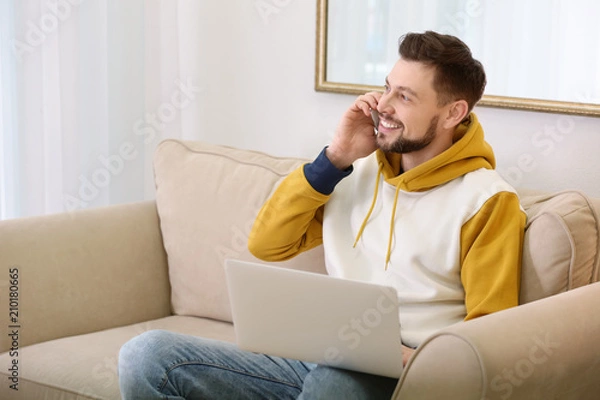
point(290, 222)
point(491, 248)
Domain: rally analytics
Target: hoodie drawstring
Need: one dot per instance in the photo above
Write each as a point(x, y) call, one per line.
point(389, 247)
point(364, 223)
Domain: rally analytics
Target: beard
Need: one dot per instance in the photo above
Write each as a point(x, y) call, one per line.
point(403, 145)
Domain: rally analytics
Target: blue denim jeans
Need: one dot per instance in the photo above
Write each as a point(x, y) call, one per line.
point(166, 365)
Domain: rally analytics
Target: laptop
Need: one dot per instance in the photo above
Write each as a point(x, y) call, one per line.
point(315, 318)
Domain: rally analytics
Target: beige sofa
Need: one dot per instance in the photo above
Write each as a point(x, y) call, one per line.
point(88, 281)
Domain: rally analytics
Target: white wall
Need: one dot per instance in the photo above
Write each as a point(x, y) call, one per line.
point(257, 77)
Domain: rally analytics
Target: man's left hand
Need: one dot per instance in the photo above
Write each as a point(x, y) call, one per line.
point(407, 353)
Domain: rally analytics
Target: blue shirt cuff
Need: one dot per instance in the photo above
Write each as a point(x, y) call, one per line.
point(323, 175)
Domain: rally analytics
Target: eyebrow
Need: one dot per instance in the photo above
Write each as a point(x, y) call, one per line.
point(403, 88)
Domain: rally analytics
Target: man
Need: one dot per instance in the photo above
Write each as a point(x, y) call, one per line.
point(417, 206)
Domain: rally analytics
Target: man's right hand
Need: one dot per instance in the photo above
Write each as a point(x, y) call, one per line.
point(354, 137)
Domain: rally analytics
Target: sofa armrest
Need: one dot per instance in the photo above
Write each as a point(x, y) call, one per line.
point(545, 349)
point(82, 272)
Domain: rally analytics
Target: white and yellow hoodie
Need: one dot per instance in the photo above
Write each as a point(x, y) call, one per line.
point(447, 234)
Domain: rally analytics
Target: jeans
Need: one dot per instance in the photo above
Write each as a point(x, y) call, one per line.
point(166, 365)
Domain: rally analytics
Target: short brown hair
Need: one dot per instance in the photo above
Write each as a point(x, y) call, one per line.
point(458, 75)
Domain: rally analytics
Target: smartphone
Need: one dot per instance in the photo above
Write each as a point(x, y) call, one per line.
point(375, 116)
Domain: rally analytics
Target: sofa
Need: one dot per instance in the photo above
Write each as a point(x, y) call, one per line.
point(76, 286)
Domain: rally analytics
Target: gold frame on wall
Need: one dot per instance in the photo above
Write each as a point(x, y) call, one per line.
point(516, 103)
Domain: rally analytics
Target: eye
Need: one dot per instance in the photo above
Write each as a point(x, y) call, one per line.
point(404, 97)
point(386, 88)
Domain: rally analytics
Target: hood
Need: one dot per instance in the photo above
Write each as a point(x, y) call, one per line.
point(468, 153)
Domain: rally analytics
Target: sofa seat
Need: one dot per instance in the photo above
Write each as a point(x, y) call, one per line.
point(85, 366)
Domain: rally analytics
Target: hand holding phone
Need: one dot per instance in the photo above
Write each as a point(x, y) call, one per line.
point(355, 135)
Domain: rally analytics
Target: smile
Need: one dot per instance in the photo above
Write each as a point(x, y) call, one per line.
point(388, 125)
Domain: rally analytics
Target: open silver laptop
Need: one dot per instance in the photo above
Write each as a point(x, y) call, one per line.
point(315, 318)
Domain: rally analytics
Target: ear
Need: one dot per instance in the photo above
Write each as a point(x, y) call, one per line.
point(457, 111)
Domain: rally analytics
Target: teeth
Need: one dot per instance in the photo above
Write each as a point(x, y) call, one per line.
point(389, 125)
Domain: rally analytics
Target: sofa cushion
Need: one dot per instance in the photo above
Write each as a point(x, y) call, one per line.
point(207, 198)
point(84, 367)
point(560, 249)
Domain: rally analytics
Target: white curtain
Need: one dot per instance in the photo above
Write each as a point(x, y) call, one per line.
point(88, 89)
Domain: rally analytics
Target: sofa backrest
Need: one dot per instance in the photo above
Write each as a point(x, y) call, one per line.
point(560, 249)
point(208, 197)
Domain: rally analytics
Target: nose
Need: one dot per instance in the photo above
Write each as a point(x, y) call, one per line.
point(384, 106)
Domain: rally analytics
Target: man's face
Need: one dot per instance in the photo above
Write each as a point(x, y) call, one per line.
point(409, 112)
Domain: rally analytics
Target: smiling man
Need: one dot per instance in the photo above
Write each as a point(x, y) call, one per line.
point(417, 206)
